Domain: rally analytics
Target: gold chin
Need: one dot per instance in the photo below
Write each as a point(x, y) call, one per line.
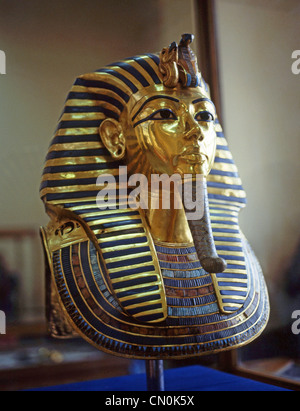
point(189, 166)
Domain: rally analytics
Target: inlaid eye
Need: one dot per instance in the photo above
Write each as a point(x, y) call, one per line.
point(163, 114)
point(204, 116)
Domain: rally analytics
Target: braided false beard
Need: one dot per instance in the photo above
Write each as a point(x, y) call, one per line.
point(202, 234)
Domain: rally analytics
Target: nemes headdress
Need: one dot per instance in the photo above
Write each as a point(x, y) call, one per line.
point(106, 278)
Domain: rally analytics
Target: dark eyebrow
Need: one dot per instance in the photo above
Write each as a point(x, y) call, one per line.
point(153, 98)
point(198, 100)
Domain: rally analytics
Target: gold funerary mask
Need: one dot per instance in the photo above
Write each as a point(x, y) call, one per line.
point(147, 282)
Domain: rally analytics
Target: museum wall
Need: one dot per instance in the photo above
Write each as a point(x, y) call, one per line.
point(260, 96)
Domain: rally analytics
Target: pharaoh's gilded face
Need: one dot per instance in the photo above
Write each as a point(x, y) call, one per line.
point(171, 131)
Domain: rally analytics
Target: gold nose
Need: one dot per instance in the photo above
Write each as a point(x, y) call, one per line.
point(193, 129)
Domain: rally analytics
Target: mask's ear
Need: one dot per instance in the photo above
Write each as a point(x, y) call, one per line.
point(112, 136)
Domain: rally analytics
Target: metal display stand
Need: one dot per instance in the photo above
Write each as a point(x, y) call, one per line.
point(155, 375)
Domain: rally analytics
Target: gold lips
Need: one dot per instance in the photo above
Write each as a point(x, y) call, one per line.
point(194, 158)
point(191, 155)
